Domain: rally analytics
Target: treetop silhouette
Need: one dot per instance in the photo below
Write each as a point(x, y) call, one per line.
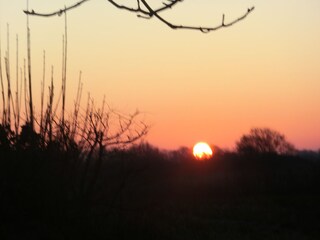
point(265, 141)
point(144, 10)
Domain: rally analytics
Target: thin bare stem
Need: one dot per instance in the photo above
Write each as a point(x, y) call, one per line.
point(64, 77)
point(25, 91)
point(17, 87)
point(20, 96)
point(42, 90)
point(29, 73)
point(2, 89)
point(7, 67)
point(48, 120)
point(85, 122)
point(77, 107)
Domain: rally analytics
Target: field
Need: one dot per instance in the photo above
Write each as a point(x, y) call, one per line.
point(143, 193)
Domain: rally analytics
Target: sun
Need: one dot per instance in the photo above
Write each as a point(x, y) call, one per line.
point(202, 151)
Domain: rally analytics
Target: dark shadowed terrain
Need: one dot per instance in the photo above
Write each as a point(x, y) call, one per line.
point(143, 193)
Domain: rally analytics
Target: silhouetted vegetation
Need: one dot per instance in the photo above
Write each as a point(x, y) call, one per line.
point(146, 9)
point(50, 167)
point(145, 193)
point(84, 178)
point(264, 141)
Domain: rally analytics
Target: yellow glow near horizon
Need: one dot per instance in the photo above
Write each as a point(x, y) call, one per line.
point(202, 151)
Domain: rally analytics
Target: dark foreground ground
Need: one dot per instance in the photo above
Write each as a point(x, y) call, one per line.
point(148, 195)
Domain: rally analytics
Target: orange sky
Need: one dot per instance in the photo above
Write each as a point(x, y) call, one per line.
point(262, 72)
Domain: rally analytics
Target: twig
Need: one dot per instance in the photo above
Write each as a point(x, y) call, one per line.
point(148, 12)
point(64, 70)
point(2, 89)
point(76, 108)
point(17, 88)
point(29, 73)
point(42, 90)
point(25, 90)
point(58, 13)
point(7, 68)
point(20, 97)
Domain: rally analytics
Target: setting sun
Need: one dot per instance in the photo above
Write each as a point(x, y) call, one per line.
point(202, 151)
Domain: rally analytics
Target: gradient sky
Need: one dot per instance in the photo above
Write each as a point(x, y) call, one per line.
point(262, 72)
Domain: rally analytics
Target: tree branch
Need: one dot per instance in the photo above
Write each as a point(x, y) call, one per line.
point(148, 12)
point(58, 12)
point(202, 29)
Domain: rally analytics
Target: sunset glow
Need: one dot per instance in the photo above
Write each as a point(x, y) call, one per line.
point(144, 119)
point(263, 71)
point(202, 151)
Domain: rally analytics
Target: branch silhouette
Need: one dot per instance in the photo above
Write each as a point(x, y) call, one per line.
point(144, 10)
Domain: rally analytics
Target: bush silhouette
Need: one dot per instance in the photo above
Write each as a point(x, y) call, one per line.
point(265, 141)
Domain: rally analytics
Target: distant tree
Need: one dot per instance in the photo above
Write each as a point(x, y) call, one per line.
point(28, 138)
point(144, 9)
point(265, 141)
point(182, 153)
point(309, 154)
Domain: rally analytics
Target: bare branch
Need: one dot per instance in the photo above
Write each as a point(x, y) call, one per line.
point(202, 29)
point(144, 10)
point(58, 13)
point(166, 6)
point(137, 10)
point(29, 72)
point(2, 90)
